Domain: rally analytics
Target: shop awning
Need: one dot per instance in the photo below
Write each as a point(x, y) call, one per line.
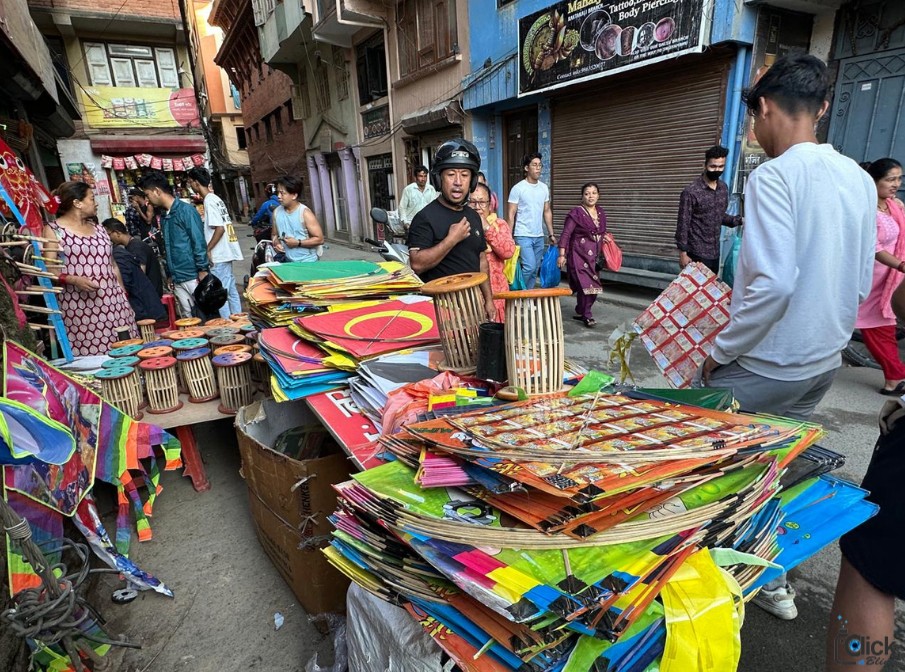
point(437, 116)
point(151, 144)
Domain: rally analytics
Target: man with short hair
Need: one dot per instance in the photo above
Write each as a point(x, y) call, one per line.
point(447, 237)
point(183, 236)
point(415, 196)
point(529, 213)
point(702, 211)
point(147, 259)
point(139, 215)
point(805, 264)
point(143, 298)
point(222, 242)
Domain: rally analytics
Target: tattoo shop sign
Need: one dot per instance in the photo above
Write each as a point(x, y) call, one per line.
point(576, 40)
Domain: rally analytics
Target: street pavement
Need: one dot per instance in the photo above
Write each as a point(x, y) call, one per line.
point(227, 591)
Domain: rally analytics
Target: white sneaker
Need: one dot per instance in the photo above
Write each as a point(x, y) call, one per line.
point(779, 601)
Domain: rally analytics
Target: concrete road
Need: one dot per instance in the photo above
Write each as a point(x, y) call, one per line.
point(227, 592)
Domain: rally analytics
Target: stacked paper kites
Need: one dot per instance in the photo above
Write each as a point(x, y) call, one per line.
point(583, 533)
point(286, 290)
point(297, 365)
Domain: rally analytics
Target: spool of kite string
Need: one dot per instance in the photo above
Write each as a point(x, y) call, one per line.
point(120, 386)
point(146, 328)
point(234, 380)
point(198, 373)
point(188, 322)
point(261, 373)
point(161, 385)
point(460, 311)
point(535, 347)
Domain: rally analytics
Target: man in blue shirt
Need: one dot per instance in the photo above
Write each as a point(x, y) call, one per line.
point(183, 236)
point(264, 216)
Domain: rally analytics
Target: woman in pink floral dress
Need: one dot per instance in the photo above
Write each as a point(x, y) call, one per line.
point(500, 245)
point(93, 302)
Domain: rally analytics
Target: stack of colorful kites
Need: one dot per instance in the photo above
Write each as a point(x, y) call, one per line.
point(289, 289)
point(574, 533)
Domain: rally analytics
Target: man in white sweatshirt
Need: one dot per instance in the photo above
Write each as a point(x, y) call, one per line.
point(806, 262)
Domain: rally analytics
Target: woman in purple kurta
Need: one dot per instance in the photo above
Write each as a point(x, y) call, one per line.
point(579, 245)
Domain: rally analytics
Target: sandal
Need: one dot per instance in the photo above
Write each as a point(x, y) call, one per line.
point(578, 317)
point(590, 323)
point(898, 390)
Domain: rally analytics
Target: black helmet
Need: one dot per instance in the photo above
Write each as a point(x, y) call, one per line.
point(457, 153)
point(210, 294)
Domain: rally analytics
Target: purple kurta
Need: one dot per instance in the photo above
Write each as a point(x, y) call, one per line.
point(581, 240)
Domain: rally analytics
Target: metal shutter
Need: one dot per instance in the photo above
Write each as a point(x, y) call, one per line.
point(641, 136)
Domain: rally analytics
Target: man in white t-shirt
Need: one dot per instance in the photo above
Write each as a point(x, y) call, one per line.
point(529, 213)
point(222, 243)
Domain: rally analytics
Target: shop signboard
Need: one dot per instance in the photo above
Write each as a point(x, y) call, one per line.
point(139, 107)
point(577, 40)
point(376, 122)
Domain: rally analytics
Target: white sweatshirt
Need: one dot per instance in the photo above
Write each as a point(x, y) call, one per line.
point(806, 262)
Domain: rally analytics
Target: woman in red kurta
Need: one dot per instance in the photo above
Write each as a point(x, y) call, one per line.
point(500, 245)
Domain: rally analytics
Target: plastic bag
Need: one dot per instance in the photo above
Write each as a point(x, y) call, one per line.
point(518, 279)
point(549, 270)
point(731, 260)
point(337, 625)
point(510, 265)
point(612, 253)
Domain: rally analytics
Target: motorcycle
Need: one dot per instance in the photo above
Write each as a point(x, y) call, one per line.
point(389, 250)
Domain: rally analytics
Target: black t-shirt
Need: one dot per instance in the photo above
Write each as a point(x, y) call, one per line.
point(145, 255)
point(431, 225)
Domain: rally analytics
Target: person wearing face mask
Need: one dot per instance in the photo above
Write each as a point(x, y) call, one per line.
point(702, 210)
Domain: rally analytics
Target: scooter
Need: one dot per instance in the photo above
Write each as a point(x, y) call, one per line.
point(389, 250)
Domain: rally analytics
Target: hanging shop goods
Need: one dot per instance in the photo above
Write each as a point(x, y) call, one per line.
point(573, 41)
point(589, 531)
point(460, 311)
point(642, 168)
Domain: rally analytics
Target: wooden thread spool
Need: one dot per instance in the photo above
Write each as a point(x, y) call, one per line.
point(241, 318)
point(460, 311)
point(146, 328)
point(198, 374)
point(247, 328)
point(119, 362)
point(535, 346)
point(213, 332)
point(225, 349)
point(161, 385)
point(156, 351)
point(126, 350)
point(118, 386)
point(260, 372)
point(188, 322)
point(127, 342)
point(234, 381)
point(189, 344)
point(218, 322)
point(158, 343)
point(124, 333)
point(232, 339)
point(184, 333)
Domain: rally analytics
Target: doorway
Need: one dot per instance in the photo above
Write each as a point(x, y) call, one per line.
point(521, 139)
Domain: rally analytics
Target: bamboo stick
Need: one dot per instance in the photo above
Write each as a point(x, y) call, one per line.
point(39, 309)
point(39, 292)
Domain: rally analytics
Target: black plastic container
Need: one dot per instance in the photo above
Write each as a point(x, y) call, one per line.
point(491, 353)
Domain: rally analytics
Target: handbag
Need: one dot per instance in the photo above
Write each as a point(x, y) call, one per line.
point(731, 260)
point(510, 265)
point(611, 253)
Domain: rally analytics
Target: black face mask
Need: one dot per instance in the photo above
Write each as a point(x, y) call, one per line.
point(713, 175)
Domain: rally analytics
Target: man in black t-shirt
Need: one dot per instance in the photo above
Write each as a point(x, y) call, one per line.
point(446, 237)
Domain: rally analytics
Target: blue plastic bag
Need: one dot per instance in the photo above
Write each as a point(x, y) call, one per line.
point(549, 270)
point(731, 260)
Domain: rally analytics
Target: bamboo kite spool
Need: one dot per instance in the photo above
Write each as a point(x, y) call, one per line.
point(118, 387)
point(460, 311)
point(160, 381)
point(535, 347)
point(260, 371)
point(126, 350)
point(232, 339)
point(155, 351)
point(224, 349)
point(234, 381)
point(188, 322)
point(119, 362)
point(198, 374)
point(213, 332)
point(218, 322)
point(240, 318)
point(127, 342)
point(146, 328)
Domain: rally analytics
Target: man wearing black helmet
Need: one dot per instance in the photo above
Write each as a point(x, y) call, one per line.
point(446, 237)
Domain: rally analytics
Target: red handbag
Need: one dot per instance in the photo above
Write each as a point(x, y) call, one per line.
point(612, 255)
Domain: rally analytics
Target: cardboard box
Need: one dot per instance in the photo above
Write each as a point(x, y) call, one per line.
point(291, 499)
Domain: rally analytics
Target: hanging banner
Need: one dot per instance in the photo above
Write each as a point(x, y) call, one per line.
point(130, 107)
point(578, 40)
